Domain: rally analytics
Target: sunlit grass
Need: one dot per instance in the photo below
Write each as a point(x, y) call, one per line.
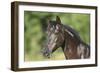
point(57, 55)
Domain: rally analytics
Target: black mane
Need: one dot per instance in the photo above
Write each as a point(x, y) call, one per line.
point(76, 34)
point(73, 31)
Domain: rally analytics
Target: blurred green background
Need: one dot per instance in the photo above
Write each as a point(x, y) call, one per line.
point(35, 28)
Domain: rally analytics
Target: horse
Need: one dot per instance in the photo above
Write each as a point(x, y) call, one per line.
point(60, 35)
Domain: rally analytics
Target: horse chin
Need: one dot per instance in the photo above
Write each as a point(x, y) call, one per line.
point(47, 55)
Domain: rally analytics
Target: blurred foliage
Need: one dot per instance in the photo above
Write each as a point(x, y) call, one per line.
point(35, 28)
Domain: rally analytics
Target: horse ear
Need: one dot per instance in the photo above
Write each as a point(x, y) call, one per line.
point(58, 20)
point(48, 22)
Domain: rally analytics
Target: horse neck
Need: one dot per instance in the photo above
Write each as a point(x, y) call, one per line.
point(84, 49)
point(64, 45)
point(64, 42)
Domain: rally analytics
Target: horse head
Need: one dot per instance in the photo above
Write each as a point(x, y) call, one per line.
point(55, 36)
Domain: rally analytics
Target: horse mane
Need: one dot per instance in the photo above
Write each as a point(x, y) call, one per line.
point(72, 31)
point(75, 33)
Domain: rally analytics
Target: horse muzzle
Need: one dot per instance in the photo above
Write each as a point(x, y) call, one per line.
point(46, 53)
